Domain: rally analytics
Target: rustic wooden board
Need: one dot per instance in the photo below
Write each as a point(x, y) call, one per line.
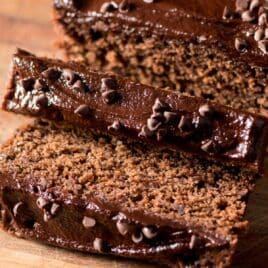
point(26, 24)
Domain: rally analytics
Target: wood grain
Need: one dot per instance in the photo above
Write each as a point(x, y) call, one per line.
point(27, 24)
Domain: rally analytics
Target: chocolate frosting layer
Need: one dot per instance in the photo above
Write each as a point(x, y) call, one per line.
point(35, 212)
point(236, 27)
point(68, 91)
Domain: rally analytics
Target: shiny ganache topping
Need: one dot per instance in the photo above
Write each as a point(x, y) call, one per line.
point(255, 14)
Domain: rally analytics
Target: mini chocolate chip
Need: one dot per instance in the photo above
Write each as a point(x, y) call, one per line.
point(158, 116)
point(137, 237)
point(254, 4)
point(27, 83)
point(79, 86)
point(54, 209)
point(69, 76)
point(41, 101)
point(88, 222)
point(40, 85)
point(115, 126)
point(170, 116)
point(108, 84)
point(201, 122)
point(110, 96)
point(259, 35)
point(145, 132)
point(192, 242)
point(205, 110)
point(263, 46)
point(208, 146)
point(262, 19)
point(227, 13)
point(161, 134)
point(241, 5)
point(149, 232)
point(41, 202)
point(16, 208)
point(248, 16)
point(153, 124)
point(51, 74)
point(98, 244)
point(124, 6)
point(122, 227)
point(159, 106)
point(83, 110)
point(46, 216)
point(108, 7)
point(185, 123)
point(240, 44)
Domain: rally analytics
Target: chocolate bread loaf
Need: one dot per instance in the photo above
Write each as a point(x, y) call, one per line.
point(94, 193)
point(71, 92)
point(212, 49)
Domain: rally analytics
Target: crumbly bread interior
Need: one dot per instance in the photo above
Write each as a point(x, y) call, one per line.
point(191, 68)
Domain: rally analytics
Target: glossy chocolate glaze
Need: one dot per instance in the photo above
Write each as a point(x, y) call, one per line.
point(189, 124)
point(190, 21)
point(27, 216)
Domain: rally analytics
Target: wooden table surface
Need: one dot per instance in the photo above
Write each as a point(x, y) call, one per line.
point(27, 24)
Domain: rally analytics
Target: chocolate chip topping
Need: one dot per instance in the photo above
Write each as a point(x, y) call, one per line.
point(254, 4)
point(241, 45)
point(149, 232)
point(170, 116)
point(153, 124)
point(263, 46)
point(137, 237)
point(145, 132)
point(110, 96)
point(41, 101)
point(27, 83)
point(258, 35)
point(192, 242)
point(51, 74)
point(108, 7)
point(16, 208)
point(205, 110)
point(79, 86)
point(185, 123)
point(115, 126)
point(122, 227)
point(159, 106)
point(208, 146)
point(262, 19)
point(69, 76)
point(98, 244)
point(88, 222)
point(41, 202)
point(248, 16)
point(108, 84)
point(83, 110)
point(125, 6)
point(54, 209)
point(227, 13)
point(40, 85)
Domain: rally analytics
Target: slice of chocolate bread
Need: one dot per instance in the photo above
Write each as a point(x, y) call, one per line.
point(212, 49)
point(71, 92)
point(95, 193)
